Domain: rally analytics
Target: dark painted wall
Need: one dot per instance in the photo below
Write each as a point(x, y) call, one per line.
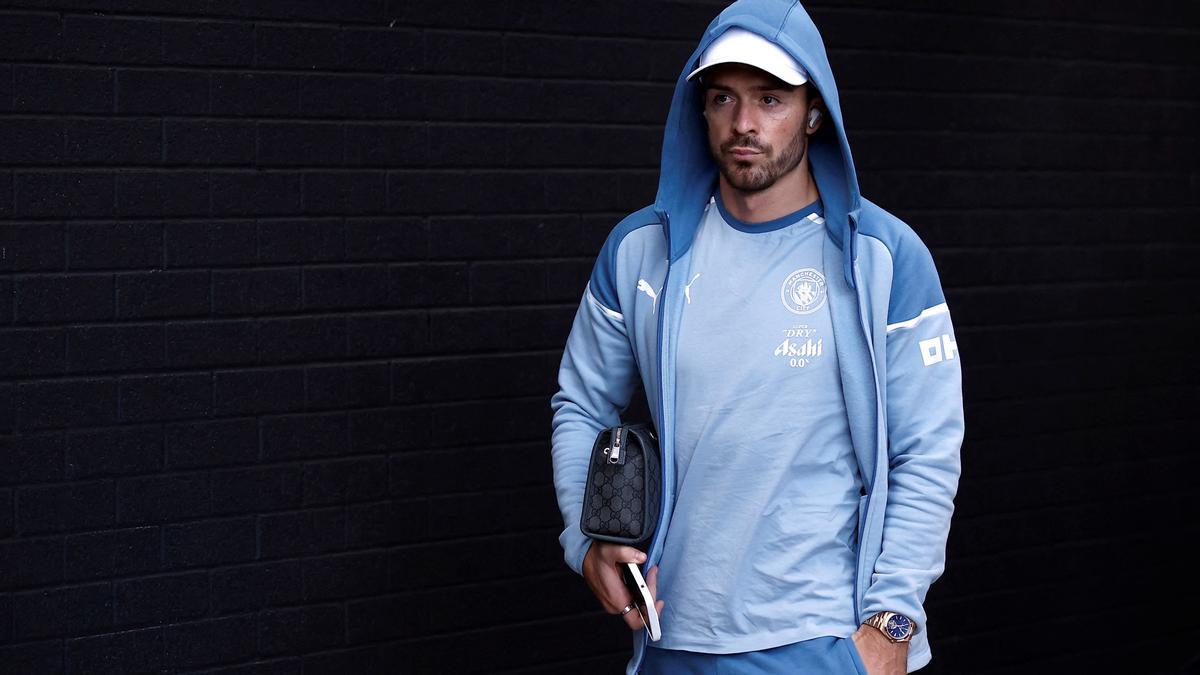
point(284, 285)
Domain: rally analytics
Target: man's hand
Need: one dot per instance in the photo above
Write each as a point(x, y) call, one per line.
point(880, 655)
point(604, 578)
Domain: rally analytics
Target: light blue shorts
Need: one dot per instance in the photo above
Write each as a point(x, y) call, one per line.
point(818, 656)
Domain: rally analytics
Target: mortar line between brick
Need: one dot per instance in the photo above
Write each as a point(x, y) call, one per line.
point(663, 83)
point(363, 24)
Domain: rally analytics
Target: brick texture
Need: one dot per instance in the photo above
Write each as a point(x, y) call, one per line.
point(284, 288)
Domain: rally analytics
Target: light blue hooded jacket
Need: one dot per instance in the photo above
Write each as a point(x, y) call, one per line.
point(899, 362)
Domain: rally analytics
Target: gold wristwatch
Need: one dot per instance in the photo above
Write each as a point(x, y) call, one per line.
point(895, 627)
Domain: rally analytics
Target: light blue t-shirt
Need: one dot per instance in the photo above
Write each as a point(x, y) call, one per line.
point(761, 548)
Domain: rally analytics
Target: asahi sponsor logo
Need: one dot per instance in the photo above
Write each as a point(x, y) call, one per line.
point(801, 346)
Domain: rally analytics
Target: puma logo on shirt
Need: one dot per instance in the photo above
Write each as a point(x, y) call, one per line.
point(687, 290)
point(644, 286)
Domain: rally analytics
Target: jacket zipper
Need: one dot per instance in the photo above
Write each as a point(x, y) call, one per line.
point(668, 468)
point(870, 480)
point(667, 458)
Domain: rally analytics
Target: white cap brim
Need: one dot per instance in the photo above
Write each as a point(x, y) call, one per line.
point(738, 45)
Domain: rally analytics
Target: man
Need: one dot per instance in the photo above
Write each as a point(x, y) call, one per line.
point(796, 348)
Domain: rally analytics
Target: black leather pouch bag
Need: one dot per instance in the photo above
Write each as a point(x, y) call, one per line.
point(621, 497)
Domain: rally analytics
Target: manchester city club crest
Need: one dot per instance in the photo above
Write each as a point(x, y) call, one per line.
point(803, 291)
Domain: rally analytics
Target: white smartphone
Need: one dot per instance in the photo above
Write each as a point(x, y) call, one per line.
point(642, 599)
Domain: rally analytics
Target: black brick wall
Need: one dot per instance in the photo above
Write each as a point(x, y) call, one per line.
point(284, 285)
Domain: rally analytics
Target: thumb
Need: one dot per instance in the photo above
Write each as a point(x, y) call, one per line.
point(631, 554)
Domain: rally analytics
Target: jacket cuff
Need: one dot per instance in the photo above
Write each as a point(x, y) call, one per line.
point(575, 546)
point(915, 613)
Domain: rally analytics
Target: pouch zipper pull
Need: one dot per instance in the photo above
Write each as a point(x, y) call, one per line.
point(614, 456)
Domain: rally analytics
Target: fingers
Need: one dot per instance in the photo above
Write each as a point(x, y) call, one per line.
point(625, 598)
point(607, 584)
point(652, 582)
point(615, 553)
point(633, 619)
point(636, 623)
point(610, 588)
point(627, 554)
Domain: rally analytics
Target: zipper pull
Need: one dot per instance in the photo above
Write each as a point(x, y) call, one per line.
point(615, 456)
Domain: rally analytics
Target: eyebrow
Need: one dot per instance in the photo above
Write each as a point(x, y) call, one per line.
point(760, 87)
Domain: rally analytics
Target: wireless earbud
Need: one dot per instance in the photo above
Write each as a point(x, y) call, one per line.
point(813, 116)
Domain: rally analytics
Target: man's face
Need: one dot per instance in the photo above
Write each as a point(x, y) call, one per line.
point(755, 125)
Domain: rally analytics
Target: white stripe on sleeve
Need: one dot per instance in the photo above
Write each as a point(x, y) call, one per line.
point(610, 313)
point(936, 309)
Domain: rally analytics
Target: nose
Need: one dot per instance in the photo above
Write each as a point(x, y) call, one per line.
point(744, 120)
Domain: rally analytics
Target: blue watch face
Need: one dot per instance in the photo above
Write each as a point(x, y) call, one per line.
point(898, 626)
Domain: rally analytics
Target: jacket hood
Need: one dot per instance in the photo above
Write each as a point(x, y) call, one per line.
point(688, 174)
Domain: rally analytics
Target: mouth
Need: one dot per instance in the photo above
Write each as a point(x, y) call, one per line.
point(743, 152)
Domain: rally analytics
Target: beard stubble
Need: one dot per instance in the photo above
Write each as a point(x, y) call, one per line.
point(748, 178)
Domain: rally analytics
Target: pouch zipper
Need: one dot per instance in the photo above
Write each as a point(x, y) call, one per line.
point(614, 455)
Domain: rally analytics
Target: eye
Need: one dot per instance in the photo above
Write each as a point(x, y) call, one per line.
point(770, 100)
point(721, 98)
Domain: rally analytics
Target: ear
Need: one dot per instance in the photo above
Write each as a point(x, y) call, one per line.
point(816, 105)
